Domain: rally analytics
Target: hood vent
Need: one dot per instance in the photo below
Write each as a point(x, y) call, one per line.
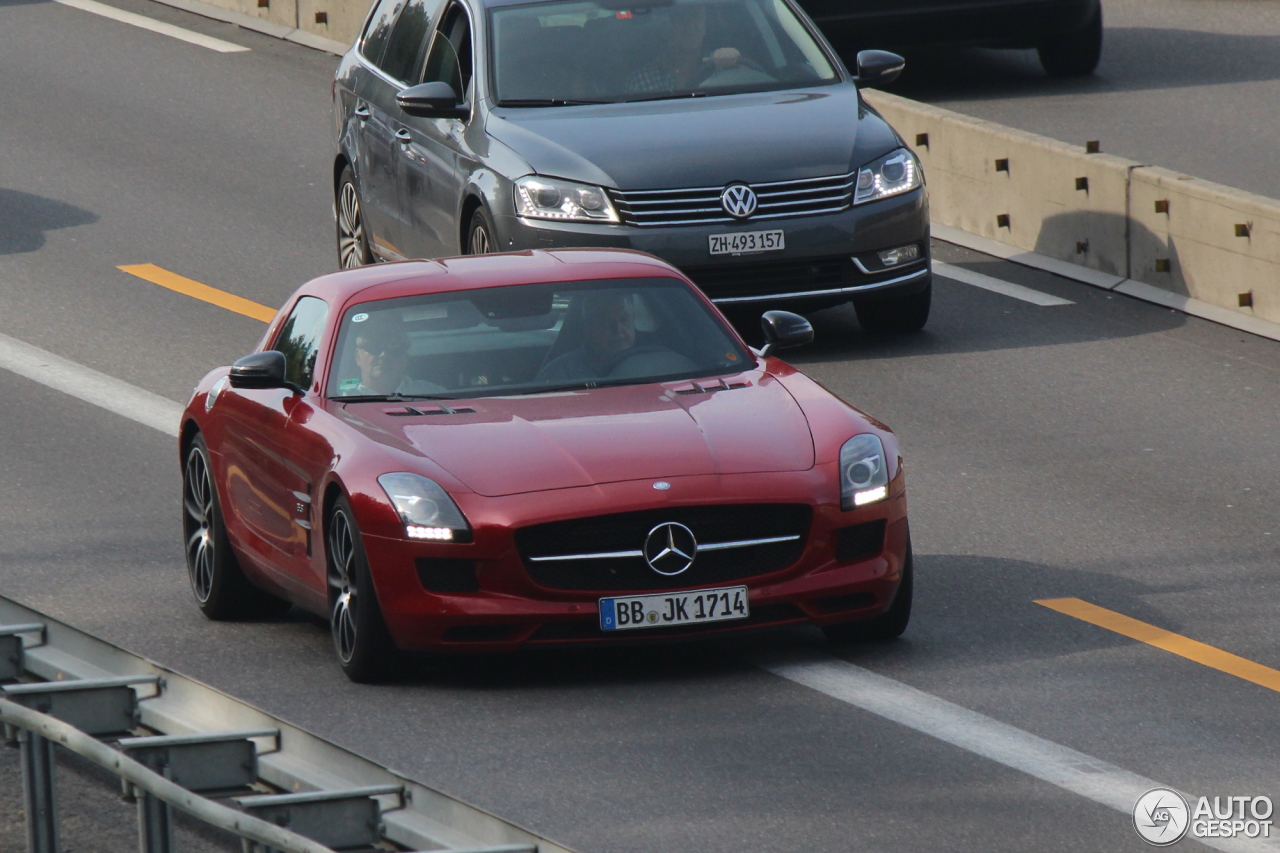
point(440, 409)
point(695, 388)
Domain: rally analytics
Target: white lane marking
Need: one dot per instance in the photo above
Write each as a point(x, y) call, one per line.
point(1058, 765)
point(996, 285)
point(89, 385)
point(155, 26)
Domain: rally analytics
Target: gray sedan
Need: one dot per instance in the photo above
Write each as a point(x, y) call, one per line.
point(724, 136)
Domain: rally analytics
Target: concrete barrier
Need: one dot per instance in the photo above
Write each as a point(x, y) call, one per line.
point(1148, 227)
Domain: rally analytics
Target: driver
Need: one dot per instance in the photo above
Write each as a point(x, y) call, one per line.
point(681, 63)
point(382, 355)
point(609, 330)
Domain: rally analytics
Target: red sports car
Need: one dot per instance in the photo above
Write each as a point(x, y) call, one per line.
point(553, 447)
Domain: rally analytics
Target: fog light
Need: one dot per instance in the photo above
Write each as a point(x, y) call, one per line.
point(900, 255)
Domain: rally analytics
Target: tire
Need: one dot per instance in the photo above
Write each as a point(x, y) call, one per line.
point(221, 590)
point(895, 315)
point(481, 239)
point(1074, 54)
point(361, 641)
point(353, 238)
point(888, 625)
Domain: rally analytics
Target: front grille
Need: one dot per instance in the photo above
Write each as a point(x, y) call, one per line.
point(581, 629)
point(701, 206)
point(860, 541)
point(626, 532)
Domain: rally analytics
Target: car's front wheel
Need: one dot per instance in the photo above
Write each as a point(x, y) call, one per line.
point(480, 237)
point(364, 647)
point(1074, 54)
point(888, 625)
point(220, 587)
point(895, 315)
point(353, 239)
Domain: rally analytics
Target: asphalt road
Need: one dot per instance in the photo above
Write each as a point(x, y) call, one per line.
point(1106, 450)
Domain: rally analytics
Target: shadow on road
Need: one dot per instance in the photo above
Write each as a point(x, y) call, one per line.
point(25, 217)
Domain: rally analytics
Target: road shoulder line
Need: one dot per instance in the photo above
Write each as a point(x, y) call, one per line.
point(258, 25)
point(92, 386)
point(144, 23)
point(997, 285)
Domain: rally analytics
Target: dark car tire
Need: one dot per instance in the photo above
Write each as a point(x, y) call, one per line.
point(352, 234)
point(1074, 54)
point(888, 625)
point(895, 315)
point(361, 640)
point(481, 239)
point(220, 587)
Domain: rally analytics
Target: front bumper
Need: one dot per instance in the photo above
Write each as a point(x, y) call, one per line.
point(507, 609)
point(817, 266)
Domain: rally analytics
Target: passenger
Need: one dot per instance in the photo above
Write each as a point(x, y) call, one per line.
point(681, 65)
point(382, 355)
point(609, 331)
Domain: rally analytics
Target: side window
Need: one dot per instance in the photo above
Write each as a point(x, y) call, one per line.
point(376, 32)
point(405, 45)
point(450, 57)
point(299, 339)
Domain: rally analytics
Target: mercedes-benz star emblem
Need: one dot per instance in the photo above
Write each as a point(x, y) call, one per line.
point(669, 548)
point(738, 200)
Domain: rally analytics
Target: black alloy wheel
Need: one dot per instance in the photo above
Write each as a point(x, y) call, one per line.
point(896, 315)
point(222, 591)
point(480, 236)
point(353, 239)
point(1074, 54)
point(360, 638)
point(888, 625)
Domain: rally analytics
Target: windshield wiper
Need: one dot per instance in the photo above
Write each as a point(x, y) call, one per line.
point(548, 102)
point(394, 397)
point(666, 97)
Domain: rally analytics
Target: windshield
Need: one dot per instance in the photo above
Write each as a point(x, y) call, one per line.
point(549, 54)
point(529, 339)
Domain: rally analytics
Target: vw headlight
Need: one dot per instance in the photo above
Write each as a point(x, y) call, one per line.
point(550, 198)
point(425, 508)
point(864, 473)
point(895, 173)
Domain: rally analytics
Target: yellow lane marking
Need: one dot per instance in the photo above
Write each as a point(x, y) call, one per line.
point(1167, 640)
point(203, 292)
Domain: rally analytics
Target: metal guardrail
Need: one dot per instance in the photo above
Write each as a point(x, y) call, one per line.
point(209, 751)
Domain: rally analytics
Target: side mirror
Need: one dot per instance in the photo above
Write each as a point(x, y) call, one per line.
point(783, 329)
point(261, 370)
point(878, 68)
point(432, 100)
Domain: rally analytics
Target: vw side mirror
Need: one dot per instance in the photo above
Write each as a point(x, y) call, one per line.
point(878, 68)
point(431, 100)
point(783, 329)
point(261, 370)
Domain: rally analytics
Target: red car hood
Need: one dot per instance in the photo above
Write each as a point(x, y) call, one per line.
point(511, 445)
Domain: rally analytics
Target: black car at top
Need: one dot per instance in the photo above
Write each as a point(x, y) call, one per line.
point(724, 136)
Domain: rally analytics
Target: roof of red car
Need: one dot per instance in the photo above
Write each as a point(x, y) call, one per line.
point(407, 278)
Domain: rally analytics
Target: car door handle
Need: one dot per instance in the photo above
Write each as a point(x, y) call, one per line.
point(362, 112)
point(404, 137)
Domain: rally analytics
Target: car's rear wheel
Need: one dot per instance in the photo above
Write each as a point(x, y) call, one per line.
point(353, 239)
point(888, 625)
point(895, 315)
point(1074, 54)
point(480, 237)
point(220, 587)
point(364, 647)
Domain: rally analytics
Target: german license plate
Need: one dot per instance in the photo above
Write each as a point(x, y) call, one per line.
point(674, 608)
point(747, 242)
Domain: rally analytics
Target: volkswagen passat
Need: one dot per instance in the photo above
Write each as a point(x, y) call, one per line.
point(551, 447)
point(723, 136)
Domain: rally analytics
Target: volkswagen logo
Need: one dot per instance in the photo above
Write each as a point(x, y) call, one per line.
point(669, 548)
point(738, 200)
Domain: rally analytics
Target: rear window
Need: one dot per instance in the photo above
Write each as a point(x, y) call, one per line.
point(531, 339)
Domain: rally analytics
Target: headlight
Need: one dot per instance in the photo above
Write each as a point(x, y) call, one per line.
point(426, 509)
point(864, 474)
point(895, 173)
point(549, 198)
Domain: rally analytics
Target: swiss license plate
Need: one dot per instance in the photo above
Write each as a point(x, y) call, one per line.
point(674, 608)
point(747, 242)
